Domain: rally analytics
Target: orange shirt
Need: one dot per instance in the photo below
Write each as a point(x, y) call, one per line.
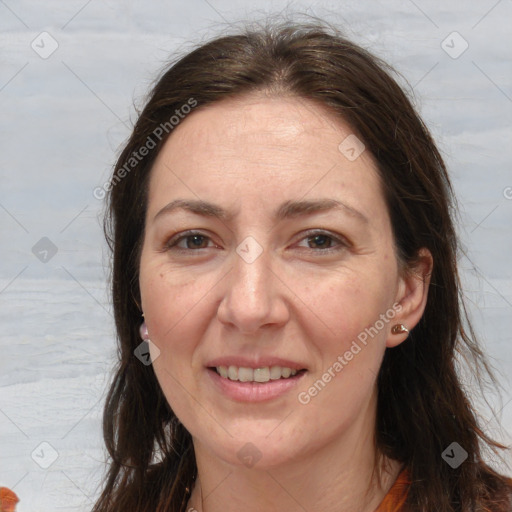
point(395, 498)
point(8, 500)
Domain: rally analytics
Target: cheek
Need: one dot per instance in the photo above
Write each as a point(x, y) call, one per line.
point(172, 311)
point(346, 304)
point(177, 310)
point(354, 312)
point(167, 301)
point(342, 387)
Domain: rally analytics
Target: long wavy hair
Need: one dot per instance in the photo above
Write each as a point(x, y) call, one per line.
point(423, 405)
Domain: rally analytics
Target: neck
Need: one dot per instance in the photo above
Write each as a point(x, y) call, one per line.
point(335, 477)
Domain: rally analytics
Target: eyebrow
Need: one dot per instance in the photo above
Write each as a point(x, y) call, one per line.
point(287, 210)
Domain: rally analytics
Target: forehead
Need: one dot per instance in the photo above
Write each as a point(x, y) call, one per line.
point(261, 124)
point(258, 149)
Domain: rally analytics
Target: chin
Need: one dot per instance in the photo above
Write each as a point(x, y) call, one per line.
point(254, 446)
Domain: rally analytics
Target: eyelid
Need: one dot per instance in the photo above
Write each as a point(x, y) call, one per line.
point(342, 242)
point(178, 237)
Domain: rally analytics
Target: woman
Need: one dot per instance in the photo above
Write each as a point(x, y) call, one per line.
point(281, 227)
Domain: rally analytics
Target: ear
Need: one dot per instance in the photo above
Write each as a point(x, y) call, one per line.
point(411, 296)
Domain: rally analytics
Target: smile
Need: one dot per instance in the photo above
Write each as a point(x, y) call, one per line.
point(263, 374)
point(245, 384)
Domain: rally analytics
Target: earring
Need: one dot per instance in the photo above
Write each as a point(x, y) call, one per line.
point(143, 330)
point(399, 329)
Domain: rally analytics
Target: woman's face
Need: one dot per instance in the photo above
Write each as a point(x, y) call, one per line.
point(268, 250)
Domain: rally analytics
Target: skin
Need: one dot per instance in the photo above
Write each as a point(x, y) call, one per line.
point(304, 298)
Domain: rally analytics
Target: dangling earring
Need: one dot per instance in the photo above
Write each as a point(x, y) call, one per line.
point(399, 329)
point(146, 356)
point(143, 330)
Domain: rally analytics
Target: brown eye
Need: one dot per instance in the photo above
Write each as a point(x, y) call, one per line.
point(322, 242)
point(195, 241)
point(189, 241)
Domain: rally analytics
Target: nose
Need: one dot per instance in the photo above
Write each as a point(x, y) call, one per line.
point(253, 295)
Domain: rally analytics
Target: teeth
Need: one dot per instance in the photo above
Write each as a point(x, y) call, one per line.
point(233, 372)
point(275, 372)
point(245, 374)
point(263, 374)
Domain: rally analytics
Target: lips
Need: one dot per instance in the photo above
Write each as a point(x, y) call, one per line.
point(255, 380)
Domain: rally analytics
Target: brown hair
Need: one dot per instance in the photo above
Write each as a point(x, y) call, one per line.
point(422, 405)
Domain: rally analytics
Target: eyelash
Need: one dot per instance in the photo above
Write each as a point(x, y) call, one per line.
point(342, 244)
